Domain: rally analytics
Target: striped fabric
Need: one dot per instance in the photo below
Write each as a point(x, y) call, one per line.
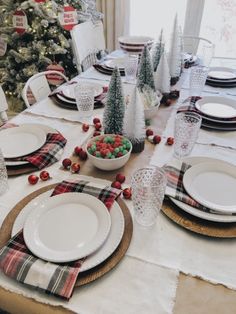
point(17, 262)
point(48, 154)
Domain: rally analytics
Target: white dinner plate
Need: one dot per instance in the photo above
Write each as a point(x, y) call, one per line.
point(45, 128)
point(200, 213)
point(221, 73)
point(67, 227)
point(110, 244)
point(69, 90)
point(119, 62)
point(218, 107)
point(21, 140)
point(212, 184)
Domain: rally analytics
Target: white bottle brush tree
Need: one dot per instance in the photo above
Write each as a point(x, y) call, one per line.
point(175, 53)
point(113, 117)
point(157, 51)
point(145, 71)
point(162, 76)
point(134, 122)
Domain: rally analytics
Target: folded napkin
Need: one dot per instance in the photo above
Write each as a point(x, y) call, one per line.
point(17, 262)
point(48, 154)
point(105, 70)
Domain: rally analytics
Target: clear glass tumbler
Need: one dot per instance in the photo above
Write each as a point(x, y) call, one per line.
point(131, 66)
point(3, 175)
point(148, 190)
point(198, 76)
point(206, 54)
point(84, 96)
point(187, 126)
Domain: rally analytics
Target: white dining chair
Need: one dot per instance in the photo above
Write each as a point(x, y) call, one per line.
point(3, 107)
point(87, 40)
point(38, 86)
point(194, 44)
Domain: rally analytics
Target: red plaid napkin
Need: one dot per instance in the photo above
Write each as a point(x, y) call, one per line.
point(17, 262)
point(48, 154)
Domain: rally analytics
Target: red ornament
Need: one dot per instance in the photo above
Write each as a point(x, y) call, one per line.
point(120, 177)
point(170, 141)
point(116, 185)
point(96, 133)
point(77, 150)
point(149, 132)
point(55, 79)
point(85, 127)
point(127, 193)
point(66, 163)
point(33, 179)
point(83, 155)
point(156, 139)
point(19, 21)
point(98, 126)
point(75, 167)
point(44, 175)
point(68, 18)
point(96, 120)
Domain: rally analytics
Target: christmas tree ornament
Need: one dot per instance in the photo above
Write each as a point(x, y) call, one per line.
point(55, 79)
point(66, 163)
point(40, 1)
point(134, 126)
point(116, 185)
point(127, 193)
point(98, 126)
point(156, 139)
point(145, 70)
point(85, 127)
point(170, 141)
point(20, 22)
point(75, 167)
point(33, 179)
point(120, 177)
point(149, 132)
point(68, 18)
point(157, 51)
point(44, 175)
point(115, 106)
point(3, 47)
point(162, 75)
point(96, 120)
point(83, 155)
point(175, 53)
point(77, 150)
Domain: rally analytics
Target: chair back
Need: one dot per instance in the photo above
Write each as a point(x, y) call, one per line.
point(87, 40)
point(3, 106)
point(194, 44)
point(38, 86)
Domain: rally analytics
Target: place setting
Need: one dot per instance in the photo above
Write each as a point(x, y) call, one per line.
point(30, 147)
point(92, 231)
point(221, 77)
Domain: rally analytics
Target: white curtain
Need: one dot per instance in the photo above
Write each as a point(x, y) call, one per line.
point(116, 20)
point(193, 17)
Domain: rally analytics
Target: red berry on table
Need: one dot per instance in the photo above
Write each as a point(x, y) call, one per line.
point(120, 177)
point(96, 133)
point(83, 155)
point(149, 132)
point(156, 139)
point(170, 141)
point(116, 185)
point(33, 179)
point(66, 163)
point(98, 126)
point(96, 120)
point(127, 193)
point(77, 150)
point(44, 175)
point(85, 127)
point(75, 167)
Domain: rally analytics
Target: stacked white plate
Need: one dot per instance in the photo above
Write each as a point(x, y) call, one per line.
point(221, 77)
point(70, 226)
point(135, 44)
point(212, 183)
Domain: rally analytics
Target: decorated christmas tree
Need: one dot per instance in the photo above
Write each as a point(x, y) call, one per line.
point(134, 123)
point(162, 75)
point(36, 33)
point(157, 51)
point(145, 70)
point(175, 53)
point(115, 106)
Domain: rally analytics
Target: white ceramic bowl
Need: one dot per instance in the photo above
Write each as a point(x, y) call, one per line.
point(107, 164)
point(135, 44)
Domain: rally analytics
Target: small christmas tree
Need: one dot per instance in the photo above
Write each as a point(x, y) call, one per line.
point(145, 71)
point(134, 125)
point(158, 51)
point(115, 106)
point(162, 75)
point(174, 57)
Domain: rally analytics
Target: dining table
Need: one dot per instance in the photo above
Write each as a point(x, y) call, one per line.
point(167, 268)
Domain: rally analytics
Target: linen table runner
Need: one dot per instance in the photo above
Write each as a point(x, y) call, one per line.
point(17, 262)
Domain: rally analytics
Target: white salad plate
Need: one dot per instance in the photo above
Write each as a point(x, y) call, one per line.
point(45, 128)
point(69, 89)
point(119, 62)
point(211, 216)
point(217, 107)
point(21, 140)
point(100, 255)
point(212, 184)
point(67, 227)
point(221, 73)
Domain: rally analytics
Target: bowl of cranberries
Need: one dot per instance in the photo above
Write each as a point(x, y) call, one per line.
point(109, 151)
